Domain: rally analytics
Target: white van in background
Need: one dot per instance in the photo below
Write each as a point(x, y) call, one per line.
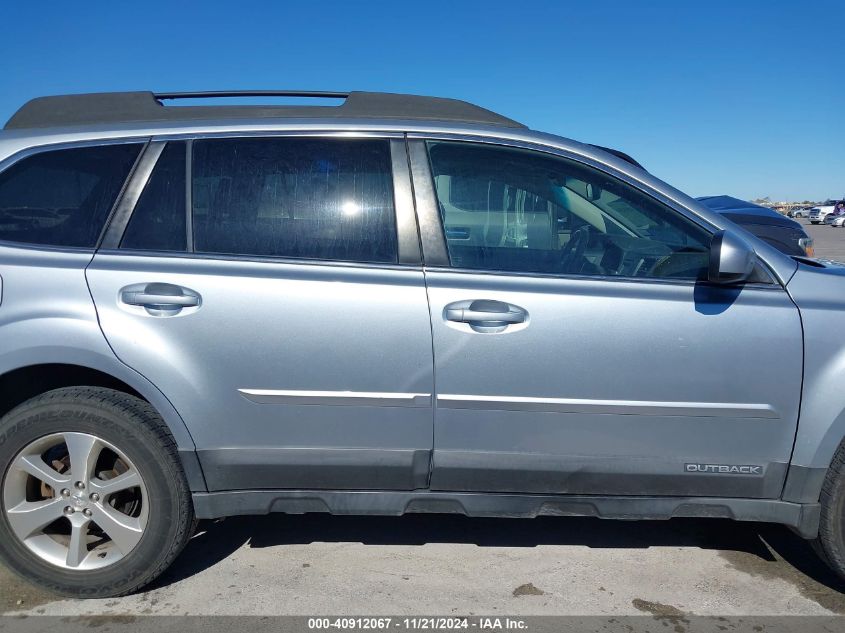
point(818, 214)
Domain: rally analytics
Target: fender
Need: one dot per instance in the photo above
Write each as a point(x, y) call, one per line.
point(819, 294)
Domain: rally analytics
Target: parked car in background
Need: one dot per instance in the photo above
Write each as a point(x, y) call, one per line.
point(818, 214)
point(786, 235)
point(834, 219)
point(798, 212)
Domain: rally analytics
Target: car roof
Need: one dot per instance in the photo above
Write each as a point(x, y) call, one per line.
point(729, 204)
point(745, 213)
point(140, 107)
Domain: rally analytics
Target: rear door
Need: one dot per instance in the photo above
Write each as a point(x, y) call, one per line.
point(272, 289)
point(577, 348)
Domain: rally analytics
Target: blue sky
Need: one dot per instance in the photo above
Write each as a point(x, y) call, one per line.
point(744, 98)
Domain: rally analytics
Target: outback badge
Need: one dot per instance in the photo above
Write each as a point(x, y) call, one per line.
point(723, 469)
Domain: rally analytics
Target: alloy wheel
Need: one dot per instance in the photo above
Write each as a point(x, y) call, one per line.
point(75, 501)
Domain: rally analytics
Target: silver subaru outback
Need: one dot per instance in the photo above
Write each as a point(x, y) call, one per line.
point(395, 304)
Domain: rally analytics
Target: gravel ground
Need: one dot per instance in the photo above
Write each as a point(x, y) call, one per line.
point(433, 564)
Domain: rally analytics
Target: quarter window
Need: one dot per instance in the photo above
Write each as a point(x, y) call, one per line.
point(514, 210)
point(294, 197)
point(63, 197)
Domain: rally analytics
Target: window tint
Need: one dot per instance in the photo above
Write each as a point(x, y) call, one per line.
point(522, 211)
point(294, 197)
point(158, 221)
point(63, 197)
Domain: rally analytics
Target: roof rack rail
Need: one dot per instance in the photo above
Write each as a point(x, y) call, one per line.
point(147, 107)
point(317, 94)
point(619, 154)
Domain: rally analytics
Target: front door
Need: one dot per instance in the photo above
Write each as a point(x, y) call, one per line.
point(577, 349)
point(262, 286)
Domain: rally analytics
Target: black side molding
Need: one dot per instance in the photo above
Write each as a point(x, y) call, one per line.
point(803, 518)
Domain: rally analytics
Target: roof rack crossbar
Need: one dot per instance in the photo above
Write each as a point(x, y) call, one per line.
point(166, 96)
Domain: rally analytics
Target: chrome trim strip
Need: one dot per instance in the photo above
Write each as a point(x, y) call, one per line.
point(248, 132)
point(30, 150)
point(337, 398)
point(614, 407)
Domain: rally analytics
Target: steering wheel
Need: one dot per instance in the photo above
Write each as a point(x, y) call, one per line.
point(575, 249)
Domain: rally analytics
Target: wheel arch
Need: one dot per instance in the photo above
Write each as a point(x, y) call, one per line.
point(804, 483)
point(46, 369)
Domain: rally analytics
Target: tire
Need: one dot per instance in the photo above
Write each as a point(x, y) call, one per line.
point(830, 543)
point(132, 436)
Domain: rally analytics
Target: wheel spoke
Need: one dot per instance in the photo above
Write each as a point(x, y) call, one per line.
point(38, 468)
point(124, 530)
point(78, 547)
point(60, 509)
point(103, 487)
point(83, 451)
point(28, 517)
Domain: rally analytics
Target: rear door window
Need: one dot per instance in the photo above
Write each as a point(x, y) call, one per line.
point(311, 198)
point(63, 197)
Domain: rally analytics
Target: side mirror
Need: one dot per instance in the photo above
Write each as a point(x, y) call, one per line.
point(732, 259)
